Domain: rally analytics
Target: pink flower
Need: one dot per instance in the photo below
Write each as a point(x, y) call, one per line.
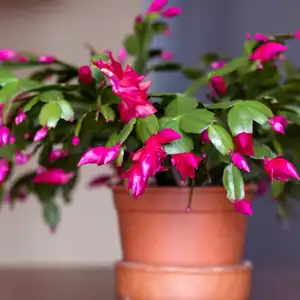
point(262, 186)
point(128, 85)
point(239, 161)
point(85, 75)
point(40, 134)
point(139, 18)
point(172, 12)
point(167, 55)
point(167, 32)
point(186, 164)
point(248, 36)
point(47, 59)
point(22, 58)
point(268, 51)
point(20, 117)
point(204, 138)
point(218, 85)
point(243, 206)
point(4, 169)
point(280, 169)
point(297, 34)
point(4, 136)
point(8, 54)
point(27, 135)
point(75, 140)
point(54, 177)
point(122, 55)
point(278, 123)
point(156, 6)
point(12, 139)
point(218, 64)
point(21, 158)
point(244, 143)
point(261, 37)
point(100, 155)
point(166, 136)
point(58, 154)
point(100, 181)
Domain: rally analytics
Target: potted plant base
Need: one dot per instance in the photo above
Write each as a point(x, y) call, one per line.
point(170, 252)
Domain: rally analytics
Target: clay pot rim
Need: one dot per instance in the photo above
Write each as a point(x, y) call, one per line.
point(243, 266)
point(198, 189)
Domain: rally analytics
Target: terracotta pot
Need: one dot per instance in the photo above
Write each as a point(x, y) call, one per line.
point(144, 282)
point(157, 230)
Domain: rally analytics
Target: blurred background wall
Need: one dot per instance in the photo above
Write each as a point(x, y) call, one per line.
point(88, 232)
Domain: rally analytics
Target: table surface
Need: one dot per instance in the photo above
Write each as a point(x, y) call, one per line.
point(98, 284)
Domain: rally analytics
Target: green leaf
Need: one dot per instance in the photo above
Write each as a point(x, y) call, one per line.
point(222, 105)
point(67, 112)
point(113, 140)
point(192, 73)
point(277, 189)
point(180, 105)
point(233, 183)
point(293, 108)
point(79, 124)
point(196, 120)
point(220, 138)
point(145, 127)
point(50, 114)
point(119, 159)
point(108, 97)
point(6, 77)
point(259, 111)
point(108, 113)
point(51, 96)
point(249, 46)
point(185, 144)
point(51, 214)
point(131, 44)
point(9, 91)
point(127, 129)
point(290, 70)
point(209, 57)
point(239, 120)
point(32, 102)
point(98, 56)
point(262, 151)
point(97, 74)
point(159, 27)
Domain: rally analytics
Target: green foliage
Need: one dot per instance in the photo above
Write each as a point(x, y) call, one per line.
point(233, 183)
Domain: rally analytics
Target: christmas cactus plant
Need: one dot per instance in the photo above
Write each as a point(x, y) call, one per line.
point(245, 130)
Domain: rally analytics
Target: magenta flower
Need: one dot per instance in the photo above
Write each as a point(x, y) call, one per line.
point(244, 143)
point(75, 140)
point(268, 51)
point(262, 186)
point(138, 18)
point(278, 123)
point(166, 136)
point(100, 155)
point(85, 75)
point(297, 34)
point(58, 154)
point(27, 135)
point(100, 181)
point(4, 169)
point(261, 37)
point(8, 54)
point(21, 158)
point(243, 206)
point(20, 117)
point(12, 139)
point(54, 177)
point(280, 169)
point(156, 6)
point(186, 163)
point(40, 134)
point(218, 85)
point(172, 12)
point(4, 136)
point(204, 138)
point(248, 36)
point(128, 85)
point(136, 183)
point(218, 64)
point(122, 55)
point(47, 59)
point(23, 58)
point(239, 161)
point(167, 55)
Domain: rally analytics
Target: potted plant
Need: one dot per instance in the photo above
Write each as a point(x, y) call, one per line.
point(193, 163)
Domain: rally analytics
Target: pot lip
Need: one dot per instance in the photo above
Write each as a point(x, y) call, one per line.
point(164, 189)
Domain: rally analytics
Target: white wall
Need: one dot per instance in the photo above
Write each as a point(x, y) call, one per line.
point(88, 232)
